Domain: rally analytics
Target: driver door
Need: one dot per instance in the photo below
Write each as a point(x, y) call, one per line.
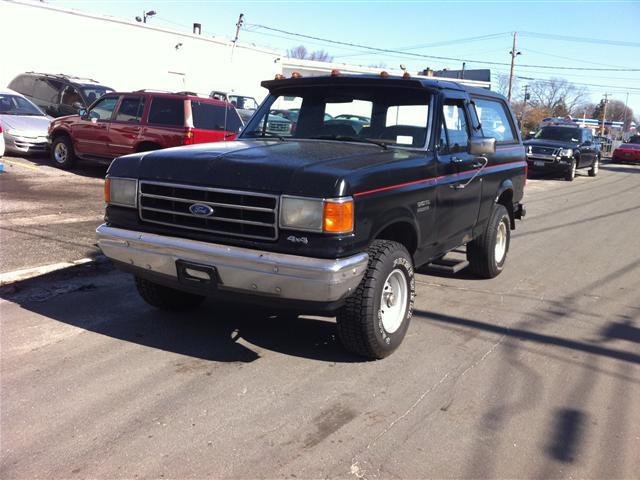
point(91, 132)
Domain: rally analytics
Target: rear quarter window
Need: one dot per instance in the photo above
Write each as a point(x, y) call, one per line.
point(168, 112)
point(23, 84)
point(209, 116)
point(494, 118)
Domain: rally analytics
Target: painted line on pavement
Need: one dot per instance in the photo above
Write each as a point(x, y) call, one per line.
point(19, 164)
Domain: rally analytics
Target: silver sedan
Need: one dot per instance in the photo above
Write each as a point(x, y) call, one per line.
point(24, 125)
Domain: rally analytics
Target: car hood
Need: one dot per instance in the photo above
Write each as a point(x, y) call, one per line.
point(312, 167)
point(27, 124)
point(549, 143)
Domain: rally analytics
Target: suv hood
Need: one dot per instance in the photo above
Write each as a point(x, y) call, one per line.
point(311, 167)
point(549, 143)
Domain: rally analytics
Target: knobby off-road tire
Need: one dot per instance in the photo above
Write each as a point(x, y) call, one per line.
point(593, 171)
point(571, 173)
point(375, 318)
point(62, 154)
point(487, 254)
point(166, 298)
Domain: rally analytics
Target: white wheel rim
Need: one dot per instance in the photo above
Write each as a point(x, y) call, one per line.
point(501, 242)
point(596, 166)
point(393, 303)
point(60, 153)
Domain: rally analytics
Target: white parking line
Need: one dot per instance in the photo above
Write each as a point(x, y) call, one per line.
point(49, 219)
point(18, 275)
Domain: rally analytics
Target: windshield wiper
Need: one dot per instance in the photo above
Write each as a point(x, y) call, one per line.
point(264, 133)
point(347, 138)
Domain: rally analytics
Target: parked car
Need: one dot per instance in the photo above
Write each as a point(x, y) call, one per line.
point(627, 152)
point(323, 223)
point(24, 125)
point(1, 142)
point(246, 106)
point(122, 123)
point(58, 95)
point(563, 149)
point(357, 122)
point(634, 139)
point(292, 114)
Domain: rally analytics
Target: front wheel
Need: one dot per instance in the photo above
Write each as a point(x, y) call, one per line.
point(375, 318)
point(571, 173)
point(593, 171)
point(166, 298)
point(62, 152)
point(487, 254)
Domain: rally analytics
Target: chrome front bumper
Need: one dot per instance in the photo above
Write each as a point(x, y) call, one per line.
point(240, 270)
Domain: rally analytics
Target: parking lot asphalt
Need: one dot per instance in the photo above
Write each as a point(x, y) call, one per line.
point(48, 215)
point(533, 374)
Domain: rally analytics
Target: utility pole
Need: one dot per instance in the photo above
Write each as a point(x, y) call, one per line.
point(513, 53)
point(604, 113)
point(524, 107)
point(238, 27)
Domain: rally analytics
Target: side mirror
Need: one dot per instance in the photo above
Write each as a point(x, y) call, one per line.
point(482, 146)
point(83, 113)
point(77, 105)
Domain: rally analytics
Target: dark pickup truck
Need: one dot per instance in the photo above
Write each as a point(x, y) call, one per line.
point(326, 220)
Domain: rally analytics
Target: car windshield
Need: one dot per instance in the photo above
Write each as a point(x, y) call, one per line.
point(94, 92)
point(16, 105)
point(561, 134)
point(395, 116)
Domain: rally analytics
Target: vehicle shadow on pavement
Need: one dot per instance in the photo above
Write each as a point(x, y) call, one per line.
point(109, 305)
point(83, 168)
point(620, 168)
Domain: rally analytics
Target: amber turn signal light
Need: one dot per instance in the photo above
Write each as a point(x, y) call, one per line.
point(107, 190)
point(338, 216)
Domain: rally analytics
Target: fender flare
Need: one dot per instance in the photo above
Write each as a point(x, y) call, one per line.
point(393, 216)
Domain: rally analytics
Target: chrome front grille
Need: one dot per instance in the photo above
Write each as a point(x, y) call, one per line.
point(544, 150)
point(278, 127)
point(235, 213)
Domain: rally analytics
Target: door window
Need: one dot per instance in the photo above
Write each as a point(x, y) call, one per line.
point(167, 111)
point(457, 130)
point(47, 90)
point(130, 110)
point(70, 96)
point(495, 120)
point(103, 110)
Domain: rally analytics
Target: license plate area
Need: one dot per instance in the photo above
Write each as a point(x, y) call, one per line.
point(194, 274)
point(538, 163)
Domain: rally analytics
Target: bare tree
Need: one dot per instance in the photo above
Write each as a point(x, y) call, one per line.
point(502, 85)
point(558, 96)
point(615, 112)
point(301, 52)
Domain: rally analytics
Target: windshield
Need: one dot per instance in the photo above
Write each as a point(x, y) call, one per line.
point(561, 134)
point(94, 92)
point(391, 116)
point(15, 105)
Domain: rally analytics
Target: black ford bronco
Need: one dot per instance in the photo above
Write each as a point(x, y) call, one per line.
point(563, 149)
point(333, 217)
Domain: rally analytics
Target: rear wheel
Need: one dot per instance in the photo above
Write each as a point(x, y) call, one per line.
point(487, 254)
point(374, 320)
point(62, 153)
point(166, 298)
point(593, 171)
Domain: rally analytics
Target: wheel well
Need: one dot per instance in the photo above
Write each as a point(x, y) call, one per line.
point(401, 232)
point(506, 199)
point(60, 133)
point(147, 146)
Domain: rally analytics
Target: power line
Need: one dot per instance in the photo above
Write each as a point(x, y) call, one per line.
point(566, 38)
point(418, 55)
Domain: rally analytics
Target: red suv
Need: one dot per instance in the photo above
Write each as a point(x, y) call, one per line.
point(122, 123)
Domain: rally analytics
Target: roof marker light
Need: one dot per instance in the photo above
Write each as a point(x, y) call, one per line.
point(406, 75)
point(279, 76)
point(335, 72)
point(296, 75)
point(384, 73)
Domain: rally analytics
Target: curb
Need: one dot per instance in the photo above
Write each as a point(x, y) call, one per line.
point(26, 273)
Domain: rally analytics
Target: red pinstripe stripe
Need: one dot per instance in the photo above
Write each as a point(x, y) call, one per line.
point(425, 180)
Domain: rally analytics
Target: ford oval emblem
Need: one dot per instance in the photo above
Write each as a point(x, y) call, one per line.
point(201, 210)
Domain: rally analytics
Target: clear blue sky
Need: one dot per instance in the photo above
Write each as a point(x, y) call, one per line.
point(403, 24)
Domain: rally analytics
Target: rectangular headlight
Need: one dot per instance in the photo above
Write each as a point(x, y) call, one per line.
point(121, 191)
point(301, 213)
point(317, 214)
point(566, 152)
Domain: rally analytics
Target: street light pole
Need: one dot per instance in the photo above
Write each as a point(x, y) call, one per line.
point(624, 122)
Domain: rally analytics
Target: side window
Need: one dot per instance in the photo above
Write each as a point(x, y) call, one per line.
point(47, 90)
point(495, 120)
point(104, 108)
point(130, 110)
point(455, 122)
point(70, 96)
point(167, 111)
point(587, 136)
